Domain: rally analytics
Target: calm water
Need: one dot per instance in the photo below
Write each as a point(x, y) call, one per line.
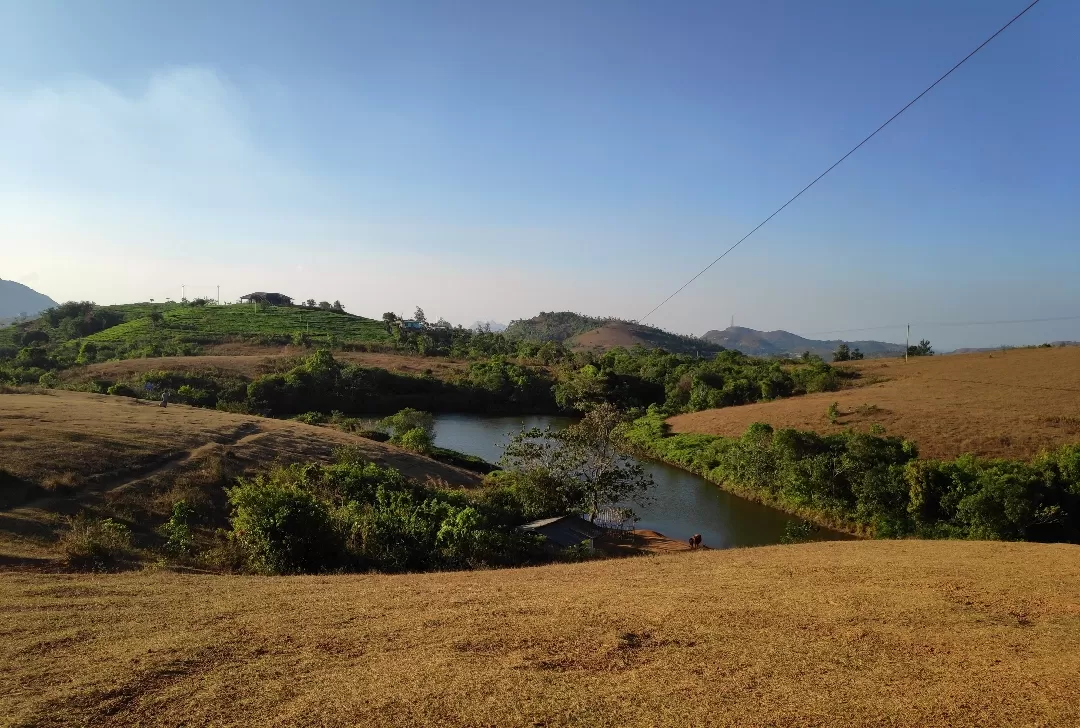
point(682, 503)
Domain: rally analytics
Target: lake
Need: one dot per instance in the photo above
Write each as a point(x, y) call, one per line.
point(681, 503)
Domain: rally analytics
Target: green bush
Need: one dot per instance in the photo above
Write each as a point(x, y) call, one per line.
point(283, 528)
point(121, 390)
point(407, 420)
point(95, 545)
point(877, 483)
point(180, 540)
point(355, 515)
point(417, 440)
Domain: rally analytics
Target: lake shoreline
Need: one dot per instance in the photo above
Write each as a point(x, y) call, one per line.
point(681, 504)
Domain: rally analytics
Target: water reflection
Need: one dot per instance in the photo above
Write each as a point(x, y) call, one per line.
point(681, 505)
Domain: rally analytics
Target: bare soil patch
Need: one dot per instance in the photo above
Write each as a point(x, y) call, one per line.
point(1001, 404)
point(829, 634)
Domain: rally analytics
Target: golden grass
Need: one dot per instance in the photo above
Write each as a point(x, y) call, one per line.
point(827, 634)
point(77, 436)
point(115, 456)
point(1002, 404)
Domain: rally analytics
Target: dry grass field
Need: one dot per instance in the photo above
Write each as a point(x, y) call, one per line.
point(1007, 404)
point(251, 361)
point(64, 452)
point(902, 633)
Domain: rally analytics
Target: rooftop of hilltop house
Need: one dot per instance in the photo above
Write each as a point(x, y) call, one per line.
point(274, 299)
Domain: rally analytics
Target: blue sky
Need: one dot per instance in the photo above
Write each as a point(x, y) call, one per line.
point(488, 160)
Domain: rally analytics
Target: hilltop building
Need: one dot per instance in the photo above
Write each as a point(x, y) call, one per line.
point(273, 299)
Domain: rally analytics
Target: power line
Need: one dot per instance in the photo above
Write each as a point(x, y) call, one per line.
point(942, 324)
point(837, 162)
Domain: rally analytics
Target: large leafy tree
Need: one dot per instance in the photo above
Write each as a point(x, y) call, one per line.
point(582, 468)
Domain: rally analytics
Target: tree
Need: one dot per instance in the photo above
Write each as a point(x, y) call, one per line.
point(419, 316)
point(922, 349)
point(338, 307)
point(310, 303)
point(409, 419)
point(582, 467)
point(325, 305)
point(389, 317)
point(842, 353)
point(856, 355)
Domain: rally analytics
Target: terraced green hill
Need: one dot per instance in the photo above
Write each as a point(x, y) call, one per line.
point(207, 324)
point(83, 333)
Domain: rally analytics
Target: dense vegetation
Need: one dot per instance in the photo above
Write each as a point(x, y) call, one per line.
point(356, 516)
point(503, 374)
point(680, 383)
point(877, 484)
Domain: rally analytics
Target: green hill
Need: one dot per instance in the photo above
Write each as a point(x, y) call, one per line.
point(554, 326)
point(592, 333)
point(208, 324)
point(83, 332)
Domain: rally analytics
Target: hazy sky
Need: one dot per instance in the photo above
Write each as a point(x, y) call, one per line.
point(488, 160)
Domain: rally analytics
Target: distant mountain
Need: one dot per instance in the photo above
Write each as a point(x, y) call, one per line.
point(785, 343)
point(17, 299)
point(493, 325)
point(594, 333)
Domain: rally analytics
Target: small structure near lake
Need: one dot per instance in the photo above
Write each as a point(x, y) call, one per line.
point(565, 531)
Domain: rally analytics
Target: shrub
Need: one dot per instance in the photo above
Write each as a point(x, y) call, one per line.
point(95, 545)
point(122, 390)
point(417, 440)
point(833, 412)
point(283, 528)
point(177, 530)
point(409, 419)
point(797, 532)
point(312, 418)
point(187, 394)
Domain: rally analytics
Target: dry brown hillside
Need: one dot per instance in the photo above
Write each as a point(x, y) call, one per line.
point(902, 633)
point(63, 452)
point(1008, 404)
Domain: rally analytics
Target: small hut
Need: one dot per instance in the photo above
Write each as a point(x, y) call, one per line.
point(565, 531)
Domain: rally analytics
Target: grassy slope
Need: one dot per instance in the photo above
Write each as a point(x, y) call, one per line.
point(1001, 404)
point(207, 323)
point(854, 633)
point(619, 333)
point(66, 451)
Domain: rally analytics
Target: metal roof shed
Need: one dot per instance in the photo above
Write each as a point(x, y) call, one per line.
point(564, 531)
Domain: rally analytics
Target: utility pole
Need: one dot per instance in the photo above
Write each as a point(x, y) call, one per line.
point(219, 295)
point(907, 343)
point(183, 291)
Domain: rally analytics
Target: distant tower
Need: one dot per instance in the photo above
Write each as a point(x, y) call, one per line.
point(732, 320)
